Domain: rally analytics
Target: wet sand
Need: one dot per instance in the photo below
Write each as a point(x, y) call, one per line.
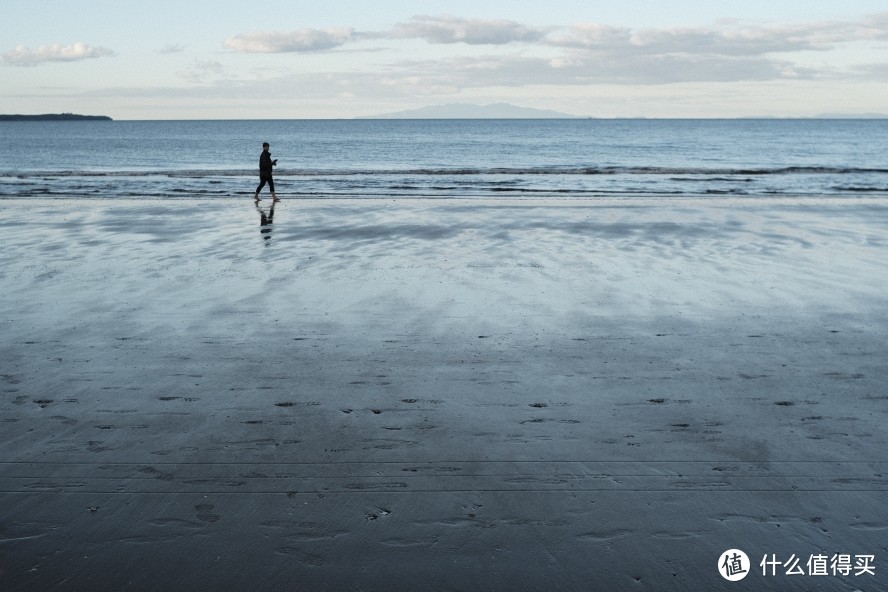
point(440, 394)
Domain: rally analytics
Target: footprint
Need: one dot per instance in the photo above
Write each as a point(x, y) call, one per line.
point(96, 446)
point(600, 537)
point(676, 536)
point(302, 556)
point(406, 543)
point(433, 469)
point(205, 513)
point(540, 420)
point(64, 420)
point(218, 482)
point(23, 531)
point(156, 474)
point(281, 523)
point(176, 523)
point(375, 486)
point(535, 480)
point(868, 526)
point(377, 514)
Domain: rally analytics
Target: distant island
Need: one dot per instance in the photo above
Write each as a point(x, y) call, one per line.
point(55, 117)
point(469, 111)
point(509, 111)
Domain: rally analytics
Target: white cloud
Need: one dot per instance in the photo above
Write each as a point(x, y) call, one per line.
point(449, 29)
point(728, 38)
point(25, 56)
point(302, 40)
point(510, 57)
point(592, 36)
point(727, 50)
point(440, 29)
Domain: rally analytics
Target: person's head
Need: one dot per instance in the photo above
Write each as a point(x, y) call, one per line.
point(266, 145)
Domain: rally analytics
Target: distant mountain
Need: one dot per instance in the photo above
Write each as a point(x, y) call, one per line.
point(55, 117)
point(852, 116)
point(469, 111)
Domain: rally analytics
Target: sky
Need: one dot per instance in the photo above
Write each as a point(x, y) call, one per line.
point(224, 59)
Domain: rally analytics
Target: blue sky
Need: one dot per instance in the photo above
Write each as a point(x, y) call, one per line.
point(607, 58)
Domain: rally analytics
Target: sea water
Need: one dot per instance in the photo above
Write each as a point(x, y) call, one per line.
point(552, 159)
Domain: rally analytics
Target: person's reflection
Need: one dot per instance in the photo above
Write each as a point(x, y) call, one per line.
point(265, 221)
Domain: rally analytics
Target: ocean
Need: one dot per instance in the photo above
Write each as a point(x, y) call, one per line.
point(517, 159)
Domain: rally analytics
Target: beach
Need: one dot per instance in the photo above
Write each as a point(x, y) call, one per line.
point(441, 394)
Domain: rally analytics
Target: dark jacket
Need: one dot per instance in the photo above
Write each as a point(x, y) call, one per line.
point(265, 163)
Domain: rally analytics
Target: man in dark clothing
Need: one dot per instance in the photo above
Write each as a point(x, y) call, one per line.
point(265, 165)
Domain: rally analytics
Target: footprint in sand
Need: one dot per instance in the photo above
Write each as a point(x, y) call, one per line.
point(601, 537)
point(302, 556)
point(156, 474)
point(205, 513)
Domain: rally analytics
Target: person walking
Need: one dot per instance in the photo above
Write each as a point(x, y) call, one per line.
point(265, 167)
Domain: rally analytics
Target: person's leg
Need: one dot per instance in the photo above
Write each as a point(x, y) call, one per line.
point(261, 185)
point(271, 186)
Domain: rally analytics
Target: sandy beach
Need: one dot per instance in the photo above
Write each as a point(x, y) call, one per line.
point(441, 394)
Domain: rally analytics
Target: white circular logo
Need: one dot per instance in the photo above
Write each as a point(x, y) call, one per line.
point(733, 565)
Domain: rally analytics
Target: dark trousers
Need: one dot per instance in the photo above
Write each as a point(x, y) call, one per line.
point(263, 179)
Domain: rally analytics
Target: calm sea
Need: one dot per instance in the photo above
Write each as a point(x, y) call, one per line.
point(446, 158)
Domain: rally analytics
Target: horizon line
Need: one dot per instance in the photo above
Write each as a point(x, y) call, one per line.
point(828, 117)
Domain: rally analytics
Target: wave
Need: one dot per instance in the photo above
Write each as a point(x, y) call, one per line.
point(860, 189)
point(712, 174)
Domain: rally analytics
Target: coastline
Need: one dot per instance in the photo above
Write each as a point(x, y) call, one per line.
point(54, 117)
point(510, 394)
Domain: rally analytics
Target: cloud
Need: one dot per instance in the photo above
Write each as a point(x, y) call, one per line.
point(440, 29)
point(727, 51)
point(727, 38)
point(25, 56)
point(172, 48)
point(201, 71)
point(876, 71)
point(449, 29)
point(302, 40)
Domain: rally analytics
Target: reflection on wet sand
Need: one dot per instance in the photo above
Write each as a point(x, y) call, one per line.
point(266, 219)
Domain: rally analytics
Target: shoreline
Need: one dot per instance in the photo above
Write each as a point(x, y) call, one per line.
point(640, 199)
